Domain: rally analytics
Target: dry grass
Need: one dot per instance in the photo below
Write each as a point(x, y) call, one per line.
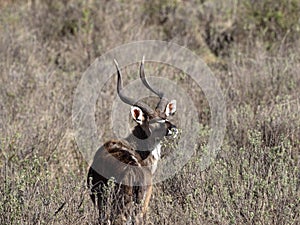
point(45, 46)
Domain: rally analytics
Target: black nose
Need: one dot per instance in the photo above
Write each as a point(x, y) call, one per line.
point(172, 130)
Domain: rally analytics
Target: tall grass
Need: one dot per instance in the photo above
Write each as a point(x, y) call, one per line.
point(45, 46)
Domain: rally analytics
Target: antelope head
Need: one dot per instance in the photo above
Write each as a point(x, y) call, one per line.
point(152, 125)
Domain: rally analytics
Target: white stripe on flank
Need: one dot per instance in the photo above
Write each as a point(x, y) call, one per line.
point(135, 159)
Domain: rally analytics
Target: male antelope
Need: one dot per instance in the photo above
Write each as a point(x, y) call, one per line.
point(132, 162)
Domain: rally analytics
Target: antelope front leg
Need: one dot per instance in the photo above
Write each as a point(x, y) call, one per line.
point(146, 201)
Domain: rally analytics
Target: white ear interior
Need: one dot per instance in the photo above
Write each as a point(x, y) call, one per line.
point(137, 114)
point(171, 108)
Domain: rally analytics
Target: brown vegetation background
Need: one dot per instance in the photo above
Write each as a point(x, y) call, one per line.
point(251, 46)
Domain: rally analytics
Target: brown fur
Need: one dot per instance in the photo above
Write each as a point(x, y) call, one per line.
point(124, 195)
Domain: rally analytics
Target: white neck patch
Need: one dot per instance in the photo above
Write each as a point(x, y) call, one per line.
point(156, 155)
point(156, 151)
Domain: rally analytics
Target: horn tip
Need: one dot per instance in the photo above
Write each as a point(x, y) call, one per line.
point(116, 63)
point(143, 59)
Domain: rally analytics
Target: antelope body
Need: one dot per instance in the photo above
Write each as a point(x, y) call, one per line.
point(131, 163)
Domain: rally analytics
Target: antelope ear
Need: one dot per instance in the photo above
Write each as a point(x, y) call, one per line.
point(137, 114)
point(171, 108)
